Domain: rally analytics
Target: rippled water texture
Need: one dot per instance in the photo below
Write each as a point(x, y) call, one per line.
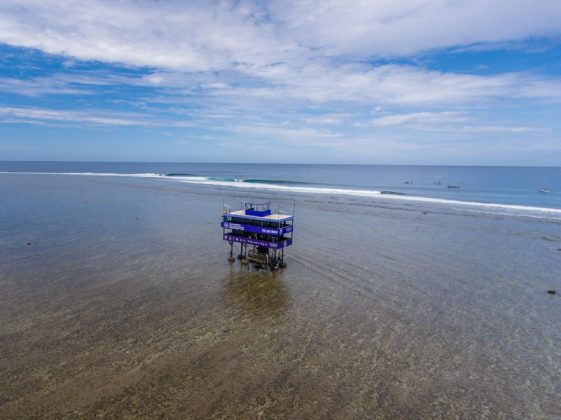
point(117, 300)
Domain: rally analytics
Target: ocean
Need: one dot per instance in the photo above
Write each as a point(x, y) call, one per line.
point(117, 298)
point(514, 188)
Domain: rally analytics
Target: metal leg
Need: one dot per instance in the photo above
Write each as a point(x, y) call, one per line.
point(282, 263)
point(240, 256)
point(243, 254)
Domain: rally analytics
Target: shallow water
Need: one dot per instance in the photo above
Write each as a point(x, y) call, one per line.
point(124, 304)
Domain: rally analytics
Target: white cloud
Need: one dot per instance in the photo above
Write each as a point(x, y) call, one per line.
point(448, 122)
point(276, 130)
point(71, 83)
point(481, 129)
point(502, 129)
point(418, 118)
point(10, 114)
point(39, 86)
point(305, 50)
point(352, 83)
point(211, 35)
point(242, 66)
point(328, 119)
point(193, 35)
point(388, 27)
point(397, 84)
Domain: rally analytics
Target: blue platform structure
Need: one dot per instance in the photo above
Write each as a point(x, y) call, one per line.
point(262, 234)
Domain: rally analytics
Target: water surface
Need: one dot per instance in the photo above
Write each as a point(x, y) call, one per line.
point(487, 184)
point(117, 300)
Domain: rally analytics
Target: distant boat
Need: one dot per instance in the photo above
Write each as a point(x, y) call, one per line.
point(453, 186)
point(409, 182)
point(544, 190)
point(437, 183)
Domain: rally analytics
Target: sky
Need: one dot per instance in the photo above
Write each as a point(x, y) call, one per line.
point(445, 82)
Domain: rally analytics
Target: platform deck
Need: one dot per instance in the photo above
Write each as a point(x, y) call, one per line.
point(274, 217)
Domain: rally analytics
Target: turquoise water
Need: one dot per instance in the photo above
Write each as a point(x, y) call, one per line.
point(518, 186)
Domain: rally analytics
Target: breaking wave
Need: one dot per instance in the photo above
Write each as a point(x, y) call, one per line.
point(309, 188)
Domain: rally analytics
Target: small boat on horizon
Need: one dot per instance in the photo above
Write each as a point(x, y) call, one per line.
point(544, 190)
point(453, 186)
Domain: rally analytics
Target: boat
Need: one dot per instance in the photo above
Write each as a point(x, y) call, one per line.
point(453, 186)
point(544, 190)
point(262, 234)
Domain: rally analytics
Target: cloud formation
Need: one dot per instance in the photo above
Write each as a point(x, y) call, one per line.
point(217, 35)
point(419, 118)
point(9, 114)
point(306, 71)
point(310, 49)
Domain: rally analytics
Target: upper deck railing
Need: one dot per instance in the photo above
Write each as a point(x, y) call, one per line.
point(258, 209)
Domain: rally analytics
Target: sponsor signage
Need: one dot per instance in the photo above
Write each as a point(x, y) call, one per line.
point(257, 242)
point(257, 229)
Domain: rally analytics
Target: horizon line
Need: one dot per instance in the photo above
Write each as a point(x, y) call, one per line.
point(285, 163)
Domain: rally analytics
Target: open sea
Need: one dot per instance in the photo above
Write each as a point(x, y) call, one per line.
point(527, 187)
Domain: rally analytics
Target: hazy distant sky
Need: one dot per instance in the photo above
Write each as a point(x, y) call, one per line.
point(333, 81)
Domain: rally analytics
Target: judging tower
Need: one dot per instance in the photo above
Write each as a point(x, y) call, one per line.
point(262, 235)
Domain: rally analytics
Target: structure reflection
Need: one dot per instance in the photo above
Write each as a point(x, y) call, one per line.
point(259, 294)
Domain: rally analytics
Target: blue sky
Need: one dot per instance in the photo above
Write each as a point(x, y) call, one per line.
point(309, 81)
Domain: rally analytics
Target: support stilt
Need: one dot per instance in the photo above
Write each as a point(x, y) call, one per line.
point(282, 263)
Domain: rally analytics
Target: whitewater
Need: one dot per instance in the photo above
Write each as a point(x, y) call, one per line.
point(305, 188)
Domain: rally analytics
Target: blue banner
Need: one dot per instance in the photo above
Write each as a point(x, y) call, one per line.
point(257, 242)
point(257, 229)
